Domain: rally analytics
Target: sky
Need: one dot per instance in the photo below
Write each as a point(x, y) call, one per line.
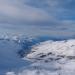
point(38, 17)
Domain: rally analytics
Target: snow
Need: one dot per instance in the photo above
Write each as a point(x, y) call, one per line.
point(62, 48)
point(50, 58)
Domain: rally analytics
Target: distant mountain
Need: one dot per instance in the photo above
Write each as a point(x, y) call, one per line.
point(46, 56)
point(49, 58)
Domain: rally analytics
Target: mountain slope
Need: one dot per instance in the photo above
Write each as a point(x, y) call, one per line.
point(57, 57)
point(47, 57)
point(50, 58)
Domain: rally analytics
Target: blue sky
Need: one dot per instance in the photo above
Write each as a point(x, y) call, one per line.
point(38, 17)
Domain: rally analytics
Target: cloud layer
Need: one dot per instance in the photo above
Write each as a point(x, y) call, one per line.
point(51, 17)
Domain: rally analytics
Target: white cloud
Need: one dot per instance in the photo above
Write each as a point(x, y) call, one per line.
point(33, 72)
point(10, 73)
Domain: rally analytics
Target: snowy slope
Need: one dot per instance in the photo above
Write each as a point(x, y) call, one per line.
point(50, 58)
point(53, 49)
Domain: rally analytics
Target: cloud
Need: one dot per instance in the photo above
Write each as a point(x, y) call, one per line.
point(67, 68)
point(50, 17)
point(16, 11)
point(33, 72)
point(33, 12)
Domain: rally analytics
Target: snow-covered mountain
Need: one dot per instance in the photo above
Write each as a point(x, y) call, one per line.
point(50, 58)
point(20, 55)
point(12, 50)
point(52, 50)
